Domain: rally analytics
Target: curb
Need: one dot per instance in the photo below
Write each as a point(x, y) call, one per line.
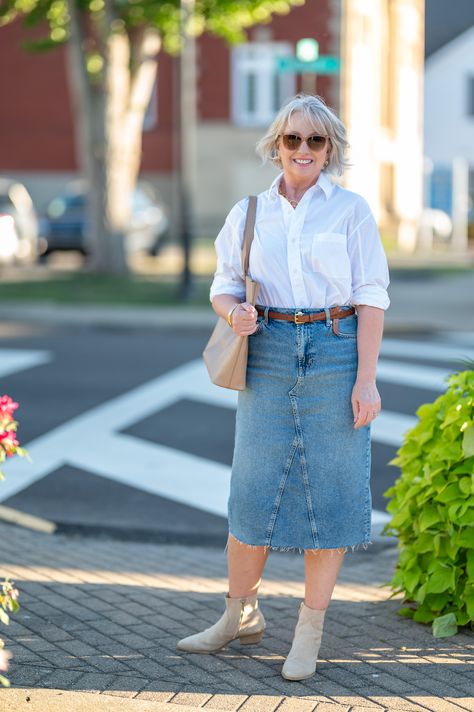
point(27, 521)
point(23, 700)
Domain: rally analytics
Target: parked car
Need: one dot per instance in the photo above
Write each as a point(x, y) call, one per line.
point(18, 223)
point(65, 224)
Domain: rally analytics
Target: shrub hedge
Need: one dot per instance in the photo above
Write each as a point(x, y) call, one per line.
point(432, 507)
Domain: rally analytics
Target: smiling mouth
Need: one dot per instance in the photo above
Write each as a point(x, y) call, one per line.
point(303, 161)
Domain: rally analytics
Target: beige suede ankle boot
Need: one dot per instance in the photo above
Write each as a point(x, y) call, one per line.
point(301, 661)
point(242, 619)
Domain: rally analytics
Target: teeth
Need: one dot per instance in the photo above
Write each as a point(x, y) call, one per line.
point(304, 161)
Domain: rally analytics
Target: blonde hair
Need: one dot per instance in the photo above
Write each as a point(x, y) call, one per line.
point(321, 118)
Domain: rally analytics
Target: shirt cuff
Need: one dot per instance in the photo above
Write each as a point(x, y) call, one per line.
point(227, 288)
point(372, 296)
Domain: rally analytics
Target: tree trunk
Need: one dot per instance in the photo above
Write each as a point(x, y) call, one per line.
point(89, 102)
point(109, 124)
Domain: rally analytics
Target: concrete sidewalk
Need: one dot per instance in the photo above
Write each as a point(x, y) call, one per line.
point(421, 301)
point(99, 622)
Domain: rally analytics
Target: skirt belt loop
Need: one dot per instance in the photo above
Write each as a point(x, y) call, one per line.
point(265, 316)
point(328, 316)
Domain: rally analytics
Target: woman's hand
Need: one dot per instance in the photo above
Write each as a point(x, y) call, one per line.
point(366, 403)
point(244, 319)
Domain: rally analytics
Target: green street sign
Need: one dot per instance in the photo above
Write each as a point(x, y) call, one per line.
point(324, 65)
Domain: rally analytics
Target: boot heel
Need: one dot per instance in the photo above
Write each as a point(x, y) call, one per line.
point(250, 639)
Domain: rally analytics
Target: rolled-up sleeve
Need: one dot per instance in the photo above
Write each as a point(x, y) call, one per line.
point(370, 278)
point(228, 277)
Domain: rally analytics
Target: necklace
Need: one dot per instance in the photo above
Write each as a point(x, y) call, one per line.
point(293, 203)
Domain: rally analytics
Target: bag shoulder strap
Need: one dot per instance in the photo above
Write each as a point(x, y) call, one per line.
point(249, 232)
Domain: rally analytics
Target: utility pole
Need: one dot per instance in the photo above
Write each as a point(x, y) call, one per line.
point(187, 144)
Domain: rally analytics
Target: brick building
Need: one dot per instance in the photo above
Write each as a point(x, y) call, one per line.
point(238, 91)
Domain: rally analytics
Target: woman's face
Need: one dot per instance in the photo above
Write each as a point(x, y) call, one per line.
point(302, 164)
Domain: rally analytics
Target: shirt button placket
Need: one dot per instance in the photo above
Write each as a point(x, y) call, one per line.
point(294, 262)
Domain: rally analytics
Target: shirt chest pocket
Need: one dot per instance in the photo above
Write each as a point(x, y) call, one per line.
point(329, 255)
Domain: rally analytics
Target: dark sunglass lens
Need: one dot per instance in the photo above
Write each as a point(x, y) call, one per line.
point(316, 142)
point(291, 141)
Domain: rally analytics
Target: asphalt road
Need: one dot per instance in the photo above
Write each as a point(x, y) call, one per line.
point(128, 439)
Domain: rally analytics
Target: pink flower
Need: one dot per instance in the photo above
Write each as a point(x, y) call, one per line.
point(7, 406)
point(8, 434)
point(5, 656)
point(9, 441)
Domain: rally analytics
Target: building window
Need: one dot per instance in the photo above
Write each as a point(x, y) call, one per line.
point(470, 96)
point(258, 90)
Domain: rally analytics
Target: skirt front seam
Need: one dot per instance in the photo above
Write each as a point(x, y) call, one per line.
point(304, 471)
point(281, 489)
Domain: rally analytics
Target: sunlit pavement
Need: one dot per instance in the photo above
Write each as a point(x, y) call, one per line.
point(103, 617)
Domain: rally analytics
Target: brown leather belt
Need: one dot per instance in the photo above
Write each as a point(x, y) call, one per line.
point(299, 317)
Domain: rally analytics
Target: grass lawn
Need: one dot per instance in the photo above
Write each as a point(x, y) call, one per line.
point(84, 288)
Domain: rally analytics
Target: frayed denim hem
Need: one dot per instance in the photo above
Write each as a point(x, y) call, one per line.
point(286, 549)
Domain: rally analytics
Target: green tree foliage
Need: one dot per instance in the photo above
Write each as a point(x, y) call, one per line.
point(225, 18)
point(432, 504)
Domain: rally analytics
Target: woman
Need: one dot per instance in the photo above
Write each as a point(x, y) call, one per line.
point(301, 466)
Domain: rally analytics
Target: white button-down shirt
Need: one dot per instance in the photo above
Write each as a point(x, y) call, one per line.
point(324, 253)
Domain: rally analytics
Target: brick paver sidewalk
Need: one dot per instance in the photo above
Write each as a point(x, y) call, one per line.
point(103, 617)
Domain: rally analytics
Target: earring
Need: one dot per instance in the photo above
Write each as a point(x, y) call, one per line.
point(326, 164)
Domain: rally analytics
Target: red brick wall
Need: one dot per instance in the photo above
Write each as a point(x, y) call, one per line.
point(36, 128)
point(35, 115)
point(158, 142)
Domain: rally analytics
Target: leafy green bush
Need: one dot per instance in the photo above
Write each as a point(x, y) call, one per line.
point(432, 504)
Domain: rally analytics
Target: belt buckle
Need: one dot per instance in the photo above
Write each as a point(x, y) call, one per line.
point(296, 317)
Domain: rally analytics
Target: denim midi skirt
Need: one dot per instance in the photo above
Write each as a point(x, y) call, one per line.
point(300, 473)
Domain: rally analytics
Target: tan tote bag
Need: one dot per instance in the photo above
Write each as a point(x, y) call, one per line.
point(226, 353)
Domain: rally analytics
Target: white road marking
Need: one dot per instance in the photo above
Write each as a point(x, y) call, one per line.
point(425, 350)
point(390, 427)
point(408, 374)
point(13, 360)
point(92, 441)
point(160, 470)
point(380, 518)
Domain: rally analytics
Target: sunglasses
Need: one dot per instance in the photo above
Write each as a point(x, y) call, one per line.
point(315, 142)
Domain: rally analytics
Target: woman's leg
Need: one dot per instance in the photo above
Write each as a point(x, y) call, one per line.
point(242, 618)
point(245, 566)
point(321, 572)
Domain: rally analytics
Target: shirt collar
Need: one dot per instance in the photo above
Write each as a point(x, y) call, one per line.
point(323, 182)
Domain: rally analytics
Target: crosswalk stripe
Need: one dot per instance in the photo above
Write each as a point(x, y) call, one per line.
point(425, 350)
point(160, 470)
point(412, 375)
point(389, 428)
point(13, 360)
